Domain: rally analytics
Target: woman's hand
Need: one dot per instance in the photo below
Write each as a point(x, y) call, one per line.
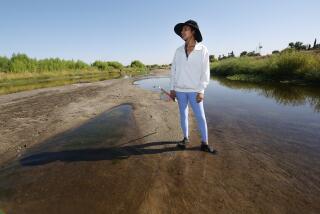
point(199, 97)
point(173, 94)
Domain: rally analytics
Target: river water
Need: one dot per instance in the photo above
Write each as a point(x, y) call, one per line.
point(279, 121)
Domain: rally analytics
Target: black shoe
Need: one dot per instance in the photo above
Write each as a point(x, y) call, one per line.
point(182, 144)
point(208, 148)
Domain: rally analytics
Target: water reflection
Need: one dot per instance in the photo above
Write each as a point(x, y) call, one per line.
point(293, 95)
point(284, 94)
point(277, 111)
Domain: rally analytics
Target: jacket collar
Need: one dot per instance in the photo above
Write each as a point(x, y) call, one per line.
point(198, 46)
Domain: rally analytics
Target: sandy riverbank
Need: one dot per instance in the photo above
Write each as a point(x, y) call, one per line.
point(30, 117)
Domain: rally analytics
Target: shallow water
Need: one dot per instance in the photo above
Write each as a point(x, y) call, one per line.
point(266, 106)
point(103, 131)
point(98, 139)
point(78, 170)
point(277, 119)
point(155, 84)
point(106, 130)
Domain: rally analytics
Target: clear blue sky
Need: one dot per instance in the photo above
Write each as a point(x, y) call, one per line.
point(143, 29)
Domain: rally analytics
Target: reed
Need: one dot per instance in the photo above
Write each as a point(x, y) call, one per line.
point(288, 65)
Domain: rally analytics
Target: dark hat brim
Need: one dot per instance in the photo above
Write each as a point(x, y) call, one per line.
point(179, 26)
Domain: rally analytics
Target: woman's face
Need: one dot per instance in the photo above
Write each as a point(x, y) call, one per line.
point(186, 32)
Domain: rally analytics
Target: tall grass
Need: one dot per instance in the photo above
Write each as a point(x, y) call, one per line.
point(22, 66)
point(23, 73)
point(288, 65)
point(20, 63)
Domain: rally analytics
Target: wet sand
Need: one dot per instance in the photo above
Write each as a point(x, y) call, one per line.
point(58, 155)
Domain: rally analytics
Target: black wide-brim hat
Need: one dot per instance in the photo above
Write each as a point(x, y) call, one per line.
point(191, 23)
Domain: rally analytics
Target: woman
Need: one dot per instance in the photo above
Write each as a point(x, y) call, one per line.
point(190, 75)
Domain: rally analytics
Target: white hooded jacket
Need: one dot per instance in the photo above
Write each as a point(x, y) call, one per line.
point(192, 73)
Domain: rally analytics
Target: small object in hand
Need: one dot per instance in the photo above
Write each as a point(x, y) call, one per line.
point(199, 97)
point(166, 93)
point(173, 95)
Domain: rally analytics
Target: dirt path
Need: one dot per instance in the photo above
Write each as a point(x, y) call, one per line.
point(134, 167)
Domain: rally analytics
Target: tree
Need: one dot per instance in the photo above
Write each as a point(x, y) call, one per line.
point(315, 43)
point(299, 46)
point(243, 53)
point(253, 53)
point(103, 66)
point(137, 64)
point(115, 64)
point(275, 52)
point(212, 58)
point(291, 45)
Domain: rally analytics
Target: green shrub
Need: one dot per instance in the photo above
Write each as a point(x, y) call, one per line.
point(137, 64)
point(114, 64)
point(4, 64)
point(287, 65)
point(103, 66)
point(22, 63)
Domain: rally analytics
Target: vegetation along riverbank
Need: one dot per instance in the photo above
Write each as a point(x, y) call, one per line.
point(298, 63)
point(20, 72)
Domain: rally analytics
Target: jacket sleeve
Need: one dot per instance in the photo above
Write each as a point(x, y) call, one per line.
point(205, 73)
point(173, 72)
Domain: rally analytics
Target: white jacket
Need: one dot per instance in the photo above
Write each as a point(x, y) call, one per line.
point(190, 74)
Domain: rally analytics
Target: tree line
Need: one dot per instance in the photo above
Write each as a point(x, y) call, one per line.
point(22, 63)
point(291, 46)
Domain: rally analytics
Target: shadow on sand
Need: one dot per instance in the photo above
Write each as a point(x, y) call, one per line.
point(98, 139)
point(97, 154)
